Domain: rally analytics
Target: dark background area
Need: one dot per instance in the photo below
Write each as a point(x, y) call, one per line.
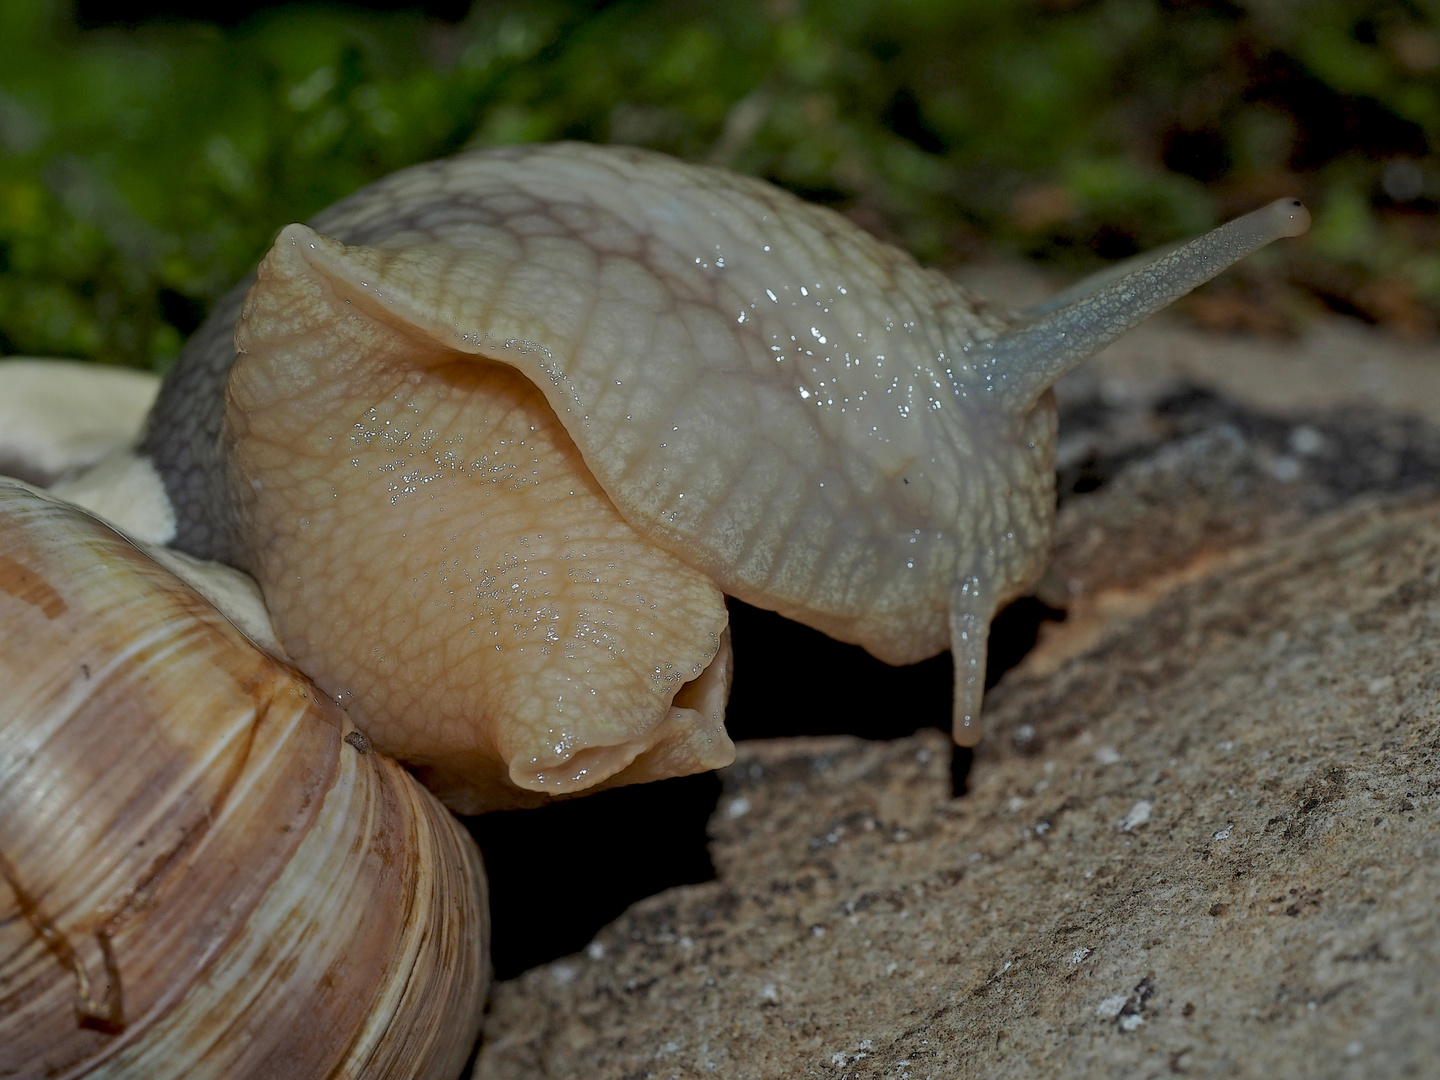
point(99, 14)
point(150, 150)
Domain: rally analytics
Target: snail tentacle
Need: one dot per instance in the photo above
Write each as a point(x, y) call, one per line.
point(971, 608)
point(1030, 358)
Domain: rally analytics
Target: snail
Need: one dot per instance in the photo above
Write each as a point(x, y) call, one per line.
point(201, 874)
point(496, 433)
point(495, 437)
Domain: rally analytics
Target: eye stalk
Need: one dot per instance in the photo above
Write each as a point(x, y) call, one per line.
point(1080, 321)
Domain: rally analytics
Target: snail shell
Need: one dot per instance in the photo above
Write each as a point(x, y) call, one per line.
point(791, 409)
point(199, 875)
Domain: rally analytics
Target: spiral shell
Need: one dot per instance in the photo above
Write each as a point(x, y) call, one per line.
point(199, 875)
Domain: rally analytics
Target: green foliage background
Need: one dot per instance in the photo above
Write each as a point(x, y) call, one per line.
point(144, 169)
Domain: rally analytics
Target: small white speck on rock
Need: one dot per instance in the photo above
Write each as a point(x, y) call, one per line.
point(1139, 814)
point(1285, 468)
point(1306, 441)
point(562, 973)
point(738, 807)
point(1111, 1006)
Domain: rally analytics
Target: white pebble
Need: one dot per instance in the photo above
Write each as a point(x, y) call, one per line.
point(1139, 814)
point(1111, 1006)
point(1306, 441)
point(1285, 468)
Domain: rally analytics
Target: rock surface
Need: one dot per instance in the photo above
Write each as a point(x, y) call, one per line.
point(1201, 837)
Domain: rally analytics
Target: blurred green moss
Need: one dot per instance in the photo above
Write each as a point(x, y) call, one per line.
point(143, 170)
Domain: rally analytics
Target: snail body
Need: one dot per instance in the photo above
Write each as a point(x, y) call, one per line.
point(748, 384)
point(199, 875)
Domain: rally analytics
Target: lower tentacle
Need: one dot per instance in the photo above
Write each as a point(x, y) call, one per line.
point(971, 608)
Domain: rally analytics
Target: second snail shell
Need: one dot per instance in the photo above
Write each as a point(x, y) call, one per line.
point(199, 876)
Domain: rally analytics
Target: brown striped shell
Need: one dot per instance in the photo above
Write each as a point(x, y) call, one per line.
point(199, 875)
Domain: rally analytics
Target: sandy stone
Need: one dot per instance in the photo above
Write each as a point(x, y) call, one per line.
point(1210, 845)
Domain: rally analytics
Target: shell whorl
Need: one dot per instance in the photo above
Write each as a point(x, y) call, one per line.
point(192, 856)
